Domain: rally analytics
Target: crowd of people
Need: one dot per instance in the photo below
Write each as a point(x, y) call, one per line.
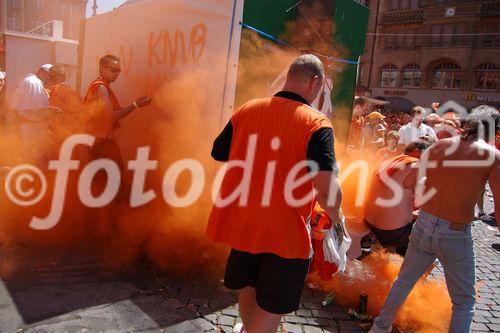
point(271, 251)
point(271, 248)
point(396, 145)
point(45, 110)
point(371, 131)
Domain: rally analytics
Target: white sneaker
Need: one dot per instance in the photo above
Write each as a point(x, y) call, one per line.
point(238, 328)
point(374, 330)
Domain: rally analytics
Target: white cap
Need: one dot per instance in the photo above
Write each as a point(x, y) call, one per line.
point(3, 75)
point(46, 67)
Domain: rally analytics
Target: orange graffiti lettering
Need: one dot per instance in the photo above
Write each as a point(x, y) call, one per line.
point(173, 44)
point(170, 49)
point(152, 46)
point(125, 59)
point(198, 37)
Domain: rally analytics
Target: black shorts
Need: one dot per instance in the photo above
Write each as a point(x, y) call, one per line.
point(398, 238)
point(278, 282)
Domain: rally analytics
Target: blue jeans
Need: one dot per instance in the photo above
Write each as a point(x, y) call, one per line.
point(432, 238)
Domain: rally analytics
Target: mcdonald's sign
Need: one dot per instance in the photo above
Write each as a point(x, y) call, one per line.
point(470, 96)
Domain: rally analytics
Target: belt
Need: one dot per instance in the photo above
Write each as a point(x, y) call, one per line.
point(457, 226)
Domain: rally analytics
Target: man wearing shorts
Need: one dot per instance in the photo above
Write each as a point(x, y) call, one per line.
point(389, 207)
point(266, 224)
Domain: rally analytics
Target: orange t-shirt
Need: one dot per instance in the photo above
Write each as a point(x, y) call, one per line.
point(64, 97)
point(384, 154)
point(277, 227)
point(101, 123)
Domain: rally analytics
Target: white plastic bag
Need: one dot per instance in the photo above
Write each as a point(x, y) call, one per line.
point(336, 244)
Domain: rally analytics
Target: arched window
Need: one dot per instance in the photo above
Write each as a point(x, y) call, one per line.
point(447, 75)
point(412, 75)
point(388, 75)
point(486, 77)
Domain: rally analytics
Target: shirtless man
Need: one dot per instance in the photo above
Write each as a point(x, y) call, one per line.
point(443, 228)
point(392, 222)
point(361, 107)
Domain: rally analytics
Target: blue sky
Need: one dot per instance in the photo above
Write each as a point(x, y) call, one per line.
point(103, 5)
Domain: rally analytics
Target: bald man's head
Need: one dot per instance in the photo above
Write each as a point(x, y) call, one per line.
point(306, 67)
point(305, 77)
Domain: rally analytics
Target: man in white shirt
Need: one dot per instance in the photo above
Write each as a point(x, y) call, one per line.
point(30, 103)
point(416, 129)
point(30, 93)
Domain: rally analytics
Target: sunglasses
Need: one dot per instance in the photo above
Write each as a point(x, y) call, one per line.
point(115, 70)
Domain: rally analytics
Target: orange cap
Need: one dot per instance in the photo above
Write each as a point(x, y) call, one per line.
point(376, 115)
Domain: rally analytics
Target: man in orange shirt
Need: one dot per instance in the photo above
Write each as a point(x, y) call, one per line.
point(265, 225)
point(105, 110)
point(61, 94)
point(101, 97)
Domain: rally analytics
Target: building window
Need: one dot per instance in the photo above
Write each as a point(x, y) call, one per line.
point(399, 42)
point(64, 10)
point(419, 40)
point(414, 4)
point(444, 35)
point(411, 76)
point(490, 36)
point(447, 75)
point(390, 42)
point(40, 5)
point(14, 23)
point(486, 76)
point(458, 37)
point(14, 3)
point(404, 4)
point(388, 75)
point(408, 40)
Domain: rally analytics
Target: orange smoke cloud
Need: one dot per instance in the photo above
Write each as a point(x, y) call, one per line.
point(183, 125)
point(260, 63)
point(173, 238)
point(427, 309)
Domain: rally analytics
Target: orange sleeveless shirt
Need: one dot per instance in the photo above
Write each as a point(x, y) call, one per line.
point(101, 123)
point(62, 96)
point(91, 94)
point(278, 227)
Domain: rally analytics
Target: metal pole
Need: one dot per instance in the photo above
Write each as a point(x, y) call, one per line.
point(94, 8)
point(374, 42)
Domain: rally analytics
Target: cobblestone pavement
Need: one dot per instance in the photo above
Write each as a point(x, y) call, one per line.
point(487, 246)
point(82, 295)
